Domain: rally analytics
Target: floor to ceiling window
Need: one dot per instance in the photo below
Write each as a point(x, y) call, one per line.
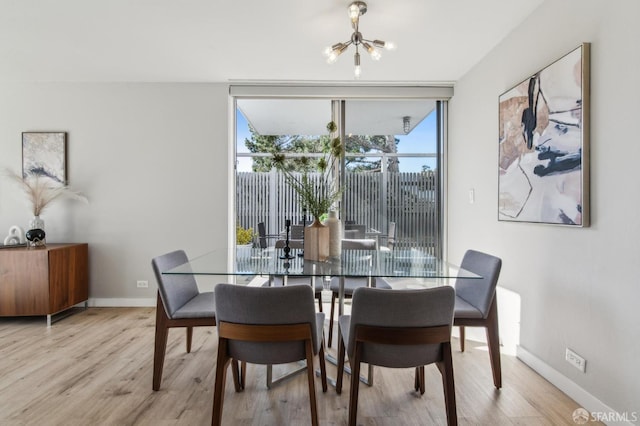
point(392, 163)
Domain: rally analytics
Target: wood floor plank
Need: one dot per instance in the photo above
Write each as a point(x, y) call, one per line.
point(95, 368)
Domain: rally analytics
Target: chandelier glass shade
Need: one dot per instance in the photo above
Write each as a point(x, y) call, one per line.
point(356, 10)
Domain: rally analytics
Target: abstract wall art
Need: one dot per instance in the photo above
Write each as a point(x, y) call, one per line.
point(44, 154)
point(544, 145)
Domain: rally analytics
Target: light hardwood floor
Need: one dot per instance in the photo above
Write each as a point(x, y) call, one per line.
point(95, 368)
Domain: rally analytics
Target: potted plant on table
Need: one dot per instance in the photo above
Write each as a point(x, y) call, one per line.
point(317, 196)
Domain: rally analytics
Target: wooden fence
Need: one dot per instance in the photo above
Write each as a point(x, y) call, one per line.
point(373, 199)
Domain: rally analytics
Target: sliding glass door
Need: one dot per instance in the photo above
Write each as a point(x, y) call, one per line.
point(391, 173)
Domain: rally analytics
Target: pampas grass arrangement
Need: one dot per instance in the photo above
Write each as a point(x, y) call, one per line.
point(41, 191)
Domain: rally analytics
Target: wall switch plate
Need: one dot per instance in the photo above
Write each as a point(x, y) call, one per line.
point(576, 360)
point(472, 196)
point(142, 284)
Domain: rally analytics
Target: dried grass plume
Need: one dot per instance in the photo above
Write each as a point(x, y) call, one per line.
point(41, 192)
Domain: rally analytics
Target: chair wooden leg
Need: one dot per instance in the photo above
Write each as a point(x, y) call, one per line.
point(162, 331)
point(237, 375)
point(221, 378)
point(189, 338)
point(355, 385)
point(333, 306)
point(461, 338)
point(311, 379)
point(493, 340)
point(340, 366)
point(323, 366)
point(243, 373)
point(420, 380)
point(446, 370)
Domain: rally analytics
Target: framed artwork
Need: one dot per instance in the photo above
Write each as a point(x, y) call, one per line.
point(45, 154)
point(544, 145)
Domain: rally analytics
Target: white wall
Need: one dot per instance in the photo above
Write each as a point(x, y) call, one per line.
point(151, 158)
point(578, 287)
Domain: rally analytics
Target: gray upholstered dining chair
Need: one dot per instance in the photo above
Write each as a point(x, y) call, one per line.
point(477, 305)
point(267, 325)
point(179, 304)
point(351, 283)
point(278, 281)
point(399, 329)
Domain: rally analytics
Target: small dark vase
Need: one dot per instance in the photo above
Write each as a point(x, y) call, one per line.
point(36, 235)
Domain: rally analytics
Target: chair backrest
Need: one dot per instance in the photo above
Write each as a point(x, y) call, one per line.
point(175, 290)
point(479, 292)
point(296, 232)
point(240, 304)
point(358, 244)
point(391, 235)
point(404, 309)
point(293, 244)
point(262, 235)
point(358, 230)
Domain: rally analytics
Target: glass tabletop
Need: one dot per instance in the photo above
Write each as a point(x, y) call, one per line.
point(401, 263)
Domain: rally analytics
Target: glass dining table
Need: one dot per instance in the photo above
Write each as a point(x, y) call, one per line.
point(270, 262)
point(402, 268)
point(397, 265)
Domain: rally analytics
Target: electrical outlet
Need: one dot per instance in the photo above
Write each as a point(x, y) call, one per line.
point(142, 284)
point(576, 360)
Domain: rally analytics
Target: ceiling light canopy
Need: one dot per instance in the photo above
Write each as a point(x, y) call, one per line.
point(356, 10)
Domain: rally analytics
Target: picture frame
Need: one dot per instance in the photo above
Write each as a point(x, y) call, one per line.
point(44, 154)
point(543, 156)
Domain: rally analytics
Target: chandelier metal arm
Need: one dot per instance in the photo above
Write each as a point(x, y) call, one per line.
point(356, 10)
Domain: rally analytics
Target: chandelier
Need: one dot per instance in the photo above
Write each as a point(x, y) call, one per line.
point(356, 10)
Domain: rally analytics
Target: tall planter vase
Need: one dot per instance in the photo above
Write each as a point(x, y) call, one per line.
point(335, 234)
point(316, 241)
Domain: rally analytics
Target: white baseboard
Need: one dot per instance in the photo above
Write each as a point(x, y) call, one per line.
point(98, 302)
point(585, 399)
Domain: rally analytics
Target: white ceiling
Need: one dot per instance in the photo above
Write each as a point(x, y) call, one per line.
point(221, 41)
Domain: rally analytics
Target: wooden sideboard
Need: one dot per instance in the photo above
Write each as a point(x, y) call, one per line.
point(44, 280)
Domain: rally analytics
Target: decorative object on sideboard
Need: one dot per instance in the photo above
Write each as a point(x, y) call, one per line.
point(36, 236)
point(15, 237)
point(41, 192)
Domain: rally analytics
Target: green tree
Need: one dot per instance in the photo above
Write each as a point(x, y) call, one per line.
point(368, 144)
point(305, 144)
